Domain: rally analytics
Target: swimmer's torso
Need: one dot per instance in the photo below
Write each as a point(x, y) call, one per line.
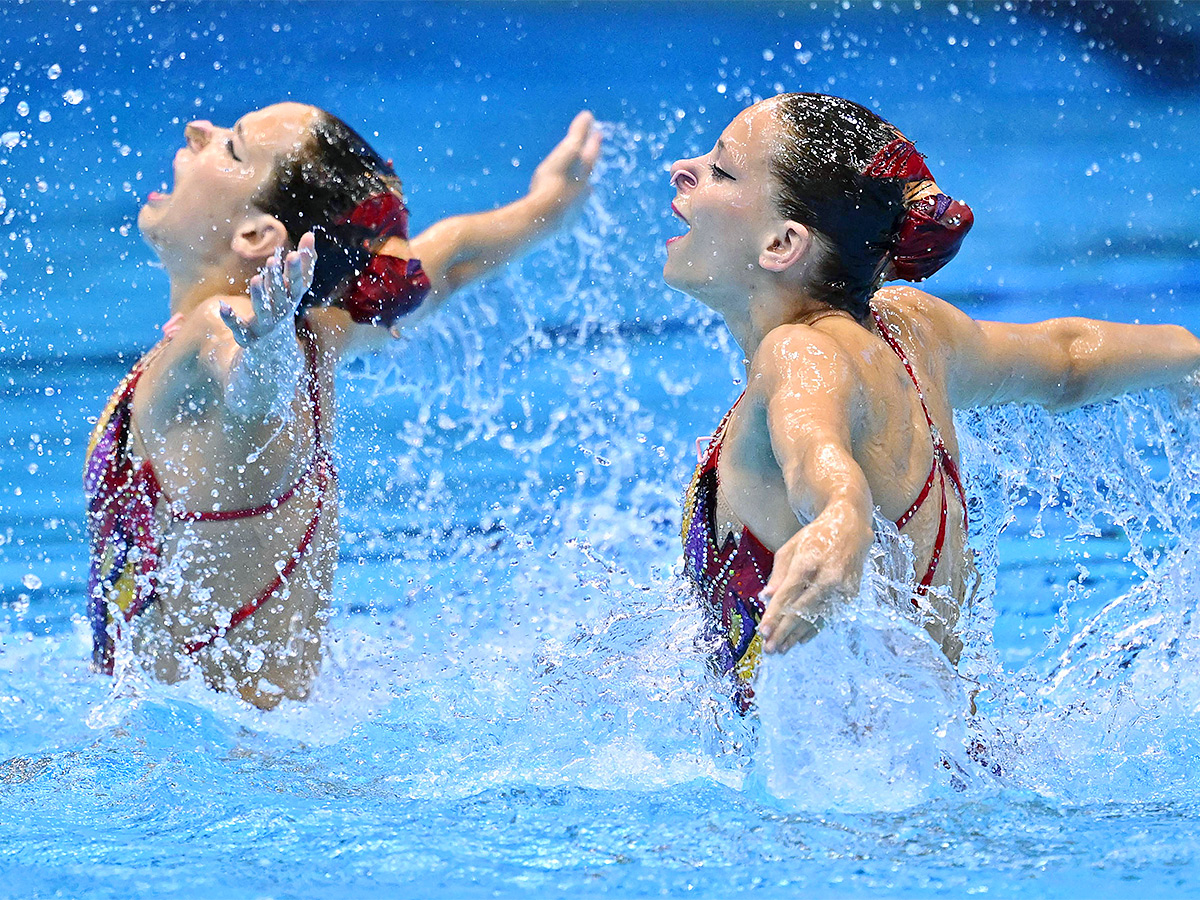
point(890, 441)
point(204, 458)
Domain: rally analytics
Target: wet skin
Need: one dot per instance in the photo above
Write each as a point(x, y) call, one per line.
point(831, 427)
point(222, 411)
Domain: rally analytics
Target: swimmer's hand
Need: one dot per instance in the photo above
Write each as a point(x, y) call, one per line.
point(462, 249)
point(563, 175)
point(812, 572)
point(275, 294)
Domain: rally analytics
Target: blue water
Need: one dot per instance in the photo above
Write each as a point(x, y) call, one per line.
point(516, 701)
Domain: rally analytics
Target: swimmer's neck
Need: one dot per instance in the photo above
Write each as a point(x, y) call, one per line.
point(190, 287)
point(752, 318)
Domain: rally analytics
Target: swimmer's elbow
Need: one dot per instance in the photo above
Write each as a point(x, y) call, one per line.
point(1067, 382)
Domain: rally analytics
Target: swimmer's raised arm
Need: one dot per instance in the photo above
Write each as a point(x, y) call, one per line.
point(809, 392)
point(240, 353)
point(461, 249)
point(1059, 363)
point(259, 370)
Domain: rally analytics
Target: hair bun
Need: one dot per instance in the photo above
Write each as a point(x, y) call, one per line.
point(383, 215)
point(930, 235)
point(388, 288)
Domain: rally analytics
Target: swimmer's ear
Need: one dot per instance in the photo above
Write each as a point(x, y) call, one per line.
point(785, 246)
point(258, 236)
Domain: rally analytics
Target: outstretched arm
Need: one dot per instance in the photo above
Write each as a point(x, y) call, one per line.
point(808, 414)
point(1059, 363)
point(461, 249)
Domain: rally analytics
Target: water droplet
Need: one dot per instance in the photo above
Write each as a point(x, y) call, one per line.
point(74, 96)
point(31, 581)
point(10, 139)
point(22, 108)
point(53, 72)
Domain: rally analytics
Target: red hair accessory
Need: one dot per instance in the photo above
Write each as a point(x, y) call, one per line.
point(933, 227)
point(930, 235)
point(383, 214)
point(899, 159)
point(388, 288)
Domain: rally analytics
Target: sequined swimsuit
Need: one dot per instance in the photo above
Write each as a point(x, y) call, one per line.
point(731, 573)
point(125, 537)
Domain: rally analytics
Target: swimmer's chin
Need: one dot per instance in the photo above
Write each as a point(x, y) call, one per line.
point(145, 223)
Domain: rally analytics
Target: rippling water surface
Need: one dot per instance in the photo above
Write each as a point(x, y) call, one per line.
point(516, 700)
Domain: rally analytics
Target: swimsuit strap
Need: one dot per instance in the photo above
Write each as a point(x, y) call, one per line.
point(941, 454)
point(935, 555)
point(712, 455)
point(249, 608)
point(321, 466)
point(943, 467)
point(891, 341)
point(314, 463)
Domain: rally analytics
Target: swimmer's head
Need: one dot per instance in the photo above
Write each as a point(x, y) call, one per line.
point(726, 199)
point(867, 195)
point(211, 211)
point(797, 186)
point(242, 193)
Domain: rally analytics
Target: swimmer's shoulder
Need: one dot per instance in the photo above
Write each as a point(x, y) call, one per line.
point(800, 359)
point(922, 314)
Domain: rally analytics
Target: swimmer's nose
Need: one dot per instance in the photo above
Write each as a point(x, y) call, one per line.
point(682, 178)
point(198, 133)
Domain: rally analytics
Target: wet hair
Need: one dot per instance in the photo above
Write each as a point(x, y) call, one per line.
point(316, 188)
point(825, 144)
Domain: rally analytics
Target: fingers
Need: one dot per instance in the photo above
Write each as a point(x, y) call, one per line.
point(275, 292)
point(591, 150)
point(787, 624)
point(584, 139)
point(580, 146)
point(295, 287)
point(240, 333)
point(793, 599)
point(307, 248)
point(581, 127)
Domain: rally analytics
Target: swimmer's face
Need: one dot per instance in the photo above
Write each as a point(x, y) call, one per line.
point(727, 199)
point(218, 173)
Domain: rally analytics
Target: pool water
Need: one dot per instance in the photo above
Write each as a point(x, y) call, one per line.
point(516, 700)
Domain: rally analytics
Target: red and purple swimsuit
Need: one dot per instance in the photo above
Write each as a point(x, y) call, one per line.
point(125, 537)
point(731, 573)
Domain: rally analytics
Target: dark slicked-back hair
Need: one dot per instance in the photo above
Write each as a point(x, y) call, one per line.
point(315, 189)
point(825, 144)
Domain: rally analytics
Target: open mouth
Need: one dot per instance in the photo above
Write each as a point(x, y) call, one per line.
point(683, 219)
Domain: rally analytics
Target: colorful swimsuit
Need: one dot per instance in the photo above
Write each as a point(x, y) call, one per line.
point(732, 573)
point(124, 534)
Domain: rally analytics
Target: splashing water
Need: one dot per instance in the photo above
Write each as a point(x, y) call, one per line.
point(517, 696)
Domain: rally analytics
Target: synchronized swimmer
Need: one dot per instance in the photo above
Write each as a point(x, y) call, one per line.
point(213, 456)
point(212, 496)
point(804, 207)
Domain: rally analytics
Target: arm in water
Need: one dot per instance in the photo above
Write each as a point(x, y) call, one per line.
point(462, 249)
point(809, 392)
